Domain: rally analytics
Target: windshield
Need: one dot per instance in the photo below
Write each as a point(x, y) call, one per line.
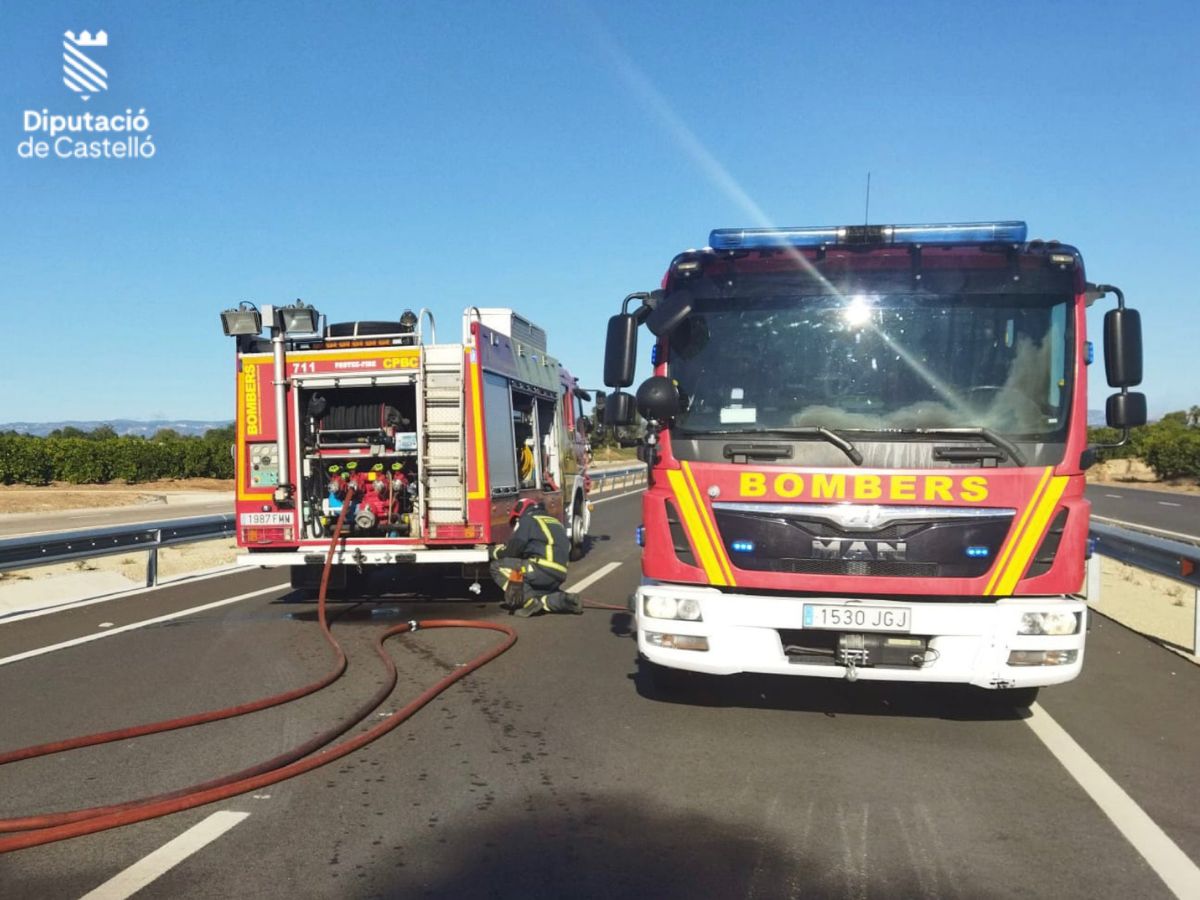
point(876, 362)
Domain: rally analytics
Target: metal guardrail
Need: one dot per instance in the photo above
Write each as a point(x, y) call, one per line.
point(65, 546)
point(612, 479)
point(1176, 560)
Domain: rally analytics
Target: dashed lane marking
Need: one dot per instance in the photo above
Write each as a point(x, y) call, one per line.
point(109, 632)
point(166, 857)
point(1170, 863)
point(584, 583)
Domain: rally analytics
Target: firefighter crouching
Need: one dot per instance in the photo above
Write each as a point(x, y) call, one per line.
point(537, 551)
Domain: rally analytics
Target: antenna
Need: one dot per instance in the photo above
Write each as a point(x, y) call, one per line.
point(867, 213)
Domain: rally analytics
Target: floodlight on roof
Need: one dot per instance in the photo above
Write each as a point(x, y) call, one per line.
point(243, 319)
point(299, 318)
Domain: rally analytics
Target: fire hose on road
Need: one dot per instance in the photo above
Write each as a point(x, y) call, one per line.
point(31, 831)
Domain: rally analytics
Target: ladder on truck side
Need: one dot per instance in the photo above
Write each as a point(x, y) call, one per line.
point(443, 457)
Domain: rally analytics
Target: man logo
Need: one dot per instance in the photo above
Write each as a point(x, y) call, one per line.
point(80, 72)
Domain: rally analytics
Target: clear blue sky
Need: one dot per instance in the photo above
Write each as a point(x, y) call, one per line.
point(553, 157)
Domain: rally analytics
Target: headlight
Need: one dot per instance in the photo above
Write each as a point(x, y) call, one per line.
point(1050, 623)
point(660, 607)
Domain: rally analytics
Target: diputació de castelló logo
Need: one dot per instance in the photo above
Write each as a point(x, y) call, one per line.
point(88, 135)
point(81, 73)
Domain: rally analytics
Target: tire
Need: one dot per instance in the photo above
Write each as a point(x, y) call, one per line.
point(578, 537)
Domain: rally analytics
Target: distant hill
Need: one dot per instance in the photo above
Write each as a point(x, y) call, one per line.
point(120, 426)
point(1096, 418)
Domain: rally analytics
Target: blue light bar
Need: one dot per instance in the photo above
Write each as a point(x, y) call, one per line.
point(955, 233)
point(977, 552)
point(743, 546)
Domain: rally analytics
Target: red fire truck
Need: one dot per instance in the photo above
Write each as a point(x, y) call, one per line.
point(866, 449)
point(428, 444)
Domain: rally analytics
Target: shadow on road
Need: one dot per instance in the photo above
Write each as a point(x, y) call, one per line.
point(832, 697)
point(610, 846)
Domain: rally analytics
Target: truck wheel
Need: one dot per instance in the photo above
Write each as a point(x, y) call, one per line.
point(578, 537)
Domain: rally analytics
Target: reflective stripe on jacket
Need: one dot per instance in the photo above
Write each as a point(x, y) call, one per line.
point(539, 538)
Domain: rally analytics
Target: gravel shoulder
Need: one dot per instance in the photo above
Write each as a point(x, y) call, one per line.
point(16, 499)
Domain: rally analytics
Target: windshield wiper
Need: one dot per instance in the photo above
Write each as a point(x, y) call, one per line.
point(800, 431)
point(987, 434)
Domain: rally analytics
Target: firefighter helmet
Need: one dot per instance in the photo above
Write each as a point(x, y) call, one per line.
point(523, 506)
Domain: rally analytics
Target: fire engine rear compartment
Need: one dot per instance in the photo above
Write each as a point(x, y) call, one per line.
point(360, 445)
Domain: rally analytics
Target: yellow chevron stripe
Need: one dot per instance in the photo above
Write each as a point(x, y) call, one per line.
point(710, 526)
point(695, 528)
point(1033, 535)
point(1015, 537)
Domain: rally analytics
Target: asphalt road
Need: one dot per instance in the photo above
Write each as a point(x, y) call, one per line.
point(38, 523)
point(1175, 514)
point(558, 770)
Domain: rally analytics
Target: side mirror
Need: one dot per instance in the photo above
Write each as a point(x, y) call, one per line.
point(658, 399)
point(618, 411)
point(670, 311)
point(1125, 410)
point(1123, 348)
point(620, 351)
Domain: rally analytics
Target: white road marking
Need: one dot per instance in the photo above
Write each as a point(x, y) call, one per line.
point(1137, 526)
point(1170, 863)
point(87, 638)
point(166, 857)
point(162, 585)
point(587, 582)
point(1117, 496)
point(1167, 503)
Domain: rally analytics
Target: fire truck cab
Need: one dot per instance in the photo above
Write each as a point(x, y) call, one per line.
point(425, 446)
point(866, 450)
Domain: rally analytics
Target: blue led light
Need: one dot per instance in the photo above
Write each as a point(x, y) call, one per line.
point(1089, 352)
point(951, 233)
point(654, 355)
point(742, 546)
point(1091, 548)
point(639, 535)
point(977, 552)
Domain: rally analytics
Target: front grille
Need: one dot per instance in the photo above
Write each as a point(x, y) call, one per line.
point(817, 528)
point(799, 545)
point(881, 568)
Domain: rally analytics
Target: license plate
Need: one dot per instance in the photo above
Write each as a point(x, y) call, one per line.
point(858, 618)
point(268, 518)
